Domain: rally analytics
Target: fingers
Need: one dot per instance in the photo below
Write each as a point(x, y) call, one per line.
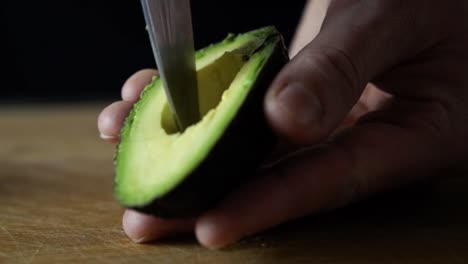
point(358, 41)
point(371, 157)
point(136, 83)
point(144, 228)
point(111, 120)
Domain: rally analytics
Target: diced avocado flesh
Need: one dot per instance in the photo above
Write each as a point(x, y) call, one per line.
point(153, 157)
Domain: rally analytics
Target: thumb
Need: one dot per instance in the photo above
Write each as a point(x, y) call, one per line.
point(314, 92)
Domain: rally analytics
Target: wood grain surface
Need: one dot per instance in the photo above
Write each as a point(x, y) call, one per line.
point(57, 207)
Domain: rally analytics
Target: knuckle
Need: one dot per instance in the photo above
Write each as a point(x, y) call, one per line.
point(336, 66)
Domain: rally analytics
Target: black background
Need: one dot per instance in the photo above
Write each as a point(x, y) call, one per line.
point(83, 50)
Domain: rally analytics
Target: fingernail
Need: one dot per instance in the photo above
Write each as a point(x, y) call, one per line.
point(132, 223)
point(140, 240)
point(106, 137)
point(206, 232)
point(300, 103)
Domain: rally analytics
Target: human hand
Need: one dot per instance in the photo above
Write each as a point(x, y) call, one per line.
point(413, 124)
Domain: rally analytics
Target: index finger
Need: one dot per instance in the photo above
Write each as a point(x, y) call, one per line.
point(133, 87)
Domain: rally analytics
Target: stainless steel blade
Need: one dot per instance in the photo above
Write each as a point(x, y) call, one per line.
point(169, 25)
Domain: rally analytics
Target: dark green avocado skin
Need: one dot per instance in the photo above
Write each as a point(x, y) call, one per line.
point(246, 143)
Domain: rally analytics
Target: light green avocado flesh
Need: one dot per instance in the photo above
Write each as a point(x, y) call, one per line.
point(153, 157)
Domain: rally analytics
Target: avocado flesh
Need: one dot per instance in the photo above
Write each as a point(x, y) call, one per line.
point(153, 158)
point(213, 80)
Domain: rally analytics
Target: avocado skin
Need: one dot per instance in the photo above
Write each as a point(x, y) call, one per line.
point(245, 144)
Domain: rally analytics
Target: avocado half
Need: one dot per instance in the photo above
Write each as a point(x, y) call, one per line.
point(164, 172)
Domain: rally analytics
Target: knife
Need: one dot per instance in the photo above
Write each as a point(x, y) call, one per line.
point(169, 24)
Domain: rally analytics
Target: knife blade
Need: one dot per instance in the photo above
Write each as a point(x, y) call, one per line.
point(169, 24)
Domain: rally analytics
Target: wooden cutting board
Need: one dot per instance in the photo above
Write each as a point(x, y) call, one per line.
point(56, 206)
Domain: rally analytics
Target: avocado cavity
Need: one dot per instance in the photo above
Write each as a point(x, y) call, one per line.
point(213, 81)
